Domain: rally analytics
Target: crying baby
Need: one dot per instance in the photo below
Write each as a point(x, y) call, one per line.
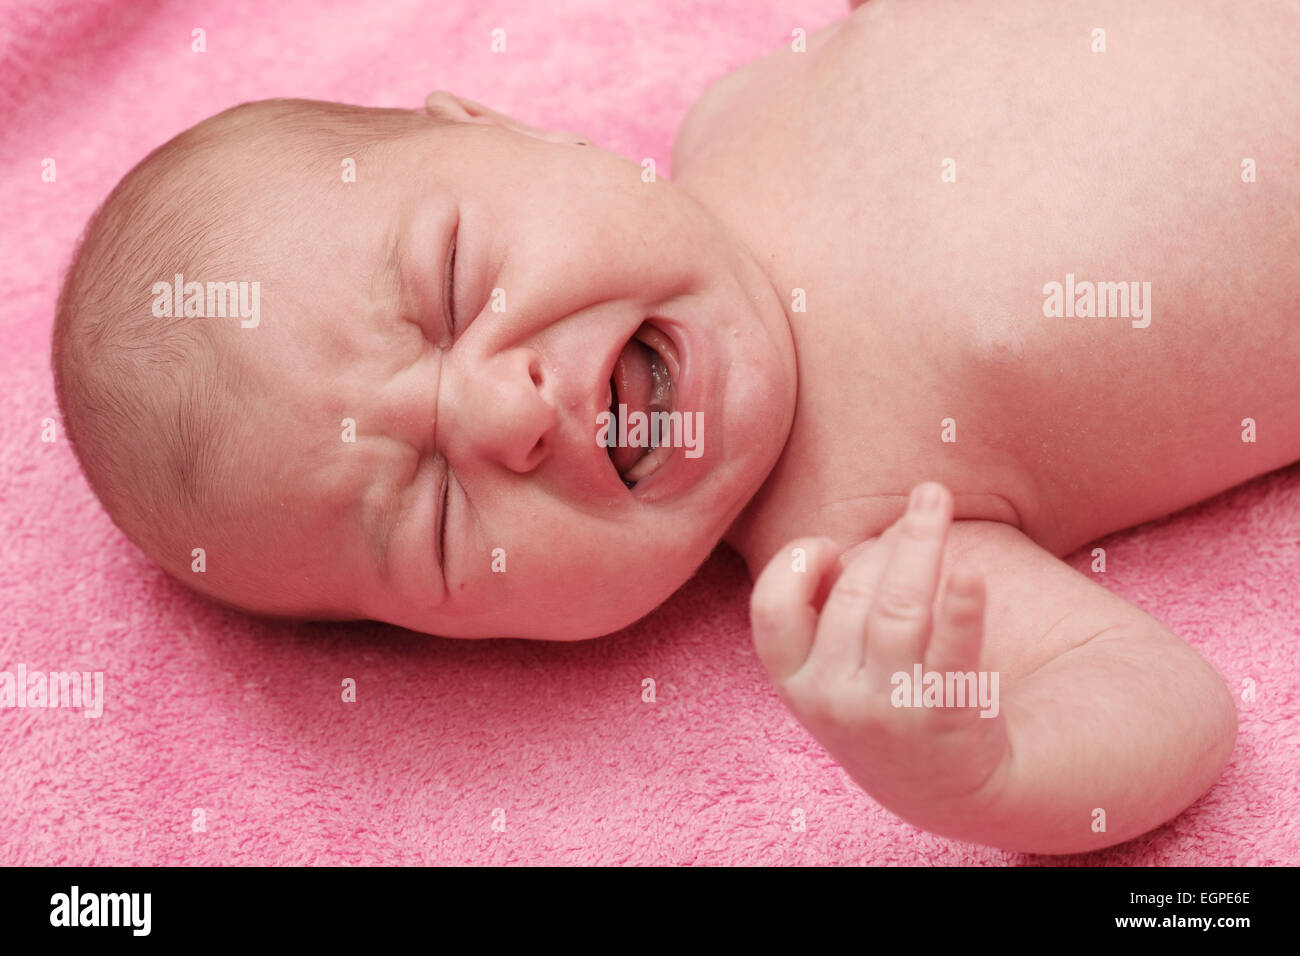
point(831, 341)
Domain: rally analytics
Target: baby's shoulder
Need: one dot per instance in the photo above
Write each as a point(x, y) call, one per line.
point(745, 87)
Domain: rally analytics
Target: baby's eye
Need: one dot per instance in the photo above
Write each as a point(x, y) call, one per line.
point(449, 303)
point(444, 504)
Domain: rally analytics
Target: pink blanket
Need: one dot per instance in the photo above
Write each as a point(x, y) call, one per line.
point(225, 739)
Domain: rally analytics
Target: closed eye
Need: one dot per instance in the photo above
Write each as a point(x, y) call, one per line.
point(449, 294)
point(445, 495)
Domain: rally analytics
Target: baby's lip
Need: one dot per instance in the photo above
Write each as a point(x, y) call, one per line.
point(643, 384)
point(678, 473)
point(654, 337)
point(597, 463)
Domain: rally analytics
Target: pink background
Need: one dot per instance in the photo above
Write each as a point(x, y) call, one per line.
point(207, 708)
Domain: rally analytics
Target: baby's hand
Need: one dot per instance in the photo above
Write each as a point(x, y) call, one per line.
point(836, 668)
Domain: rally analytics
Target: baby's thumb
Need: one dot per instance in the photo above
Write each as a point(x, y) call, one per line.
point(786, 603)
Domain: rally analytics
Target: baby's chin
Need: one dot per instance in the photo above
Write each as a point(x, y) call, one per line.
point(527, 624)
point(573, 602)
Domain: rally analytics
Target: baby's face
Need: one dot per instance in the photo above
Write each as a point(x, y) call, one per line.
point(476, 499)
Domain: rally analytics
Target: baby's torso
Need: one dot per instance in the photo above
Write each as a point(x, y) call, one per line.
point(928, 168)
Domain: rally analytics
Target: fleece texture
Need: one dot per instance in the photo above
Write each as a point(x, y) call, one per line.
point(224, 739)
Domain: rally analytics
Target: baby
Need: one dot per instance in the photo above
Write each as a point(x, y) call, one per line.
point(936, 296)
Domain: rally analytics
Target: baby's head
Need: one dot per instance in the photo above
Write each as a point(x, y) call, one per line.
point(383, 397)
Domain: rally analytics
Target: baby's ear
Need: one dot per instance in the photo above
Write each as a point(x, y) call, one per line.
point(448, 106)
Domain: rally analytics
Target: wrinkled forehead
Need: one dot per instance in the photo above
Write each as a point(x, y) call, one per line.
point(301, 462)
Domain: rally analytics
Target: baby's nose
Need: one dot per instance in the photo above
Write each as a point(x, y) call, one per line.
point(502, 412)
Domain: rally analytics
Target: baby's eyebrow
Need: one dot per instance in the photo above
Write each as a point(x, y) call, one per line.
point(383, 518)
point(391, 277)
point(387, 284)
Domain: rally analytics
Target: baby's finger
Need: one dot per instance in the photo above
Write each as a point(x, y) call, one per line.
point(959, 623)
point(899, 622)
point(782, 608)
point(842, 630)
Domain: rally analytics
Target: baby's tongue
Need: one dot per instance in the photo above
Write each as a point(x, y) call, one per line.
point(634, 386)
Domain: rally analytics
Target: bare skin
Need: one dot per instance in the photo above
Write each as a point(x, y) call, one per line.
point(1116, 166)
point(468, 302)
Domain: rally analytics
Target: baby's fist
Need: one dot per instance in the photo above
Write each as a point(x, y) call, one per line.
point(841, 638)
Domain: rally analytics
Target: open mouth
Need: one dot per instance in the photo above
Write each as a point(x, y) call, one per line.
point(642, 385)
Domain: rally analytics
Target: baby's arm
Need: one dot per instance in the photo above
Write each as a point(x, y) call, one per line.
point(1101, 707)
